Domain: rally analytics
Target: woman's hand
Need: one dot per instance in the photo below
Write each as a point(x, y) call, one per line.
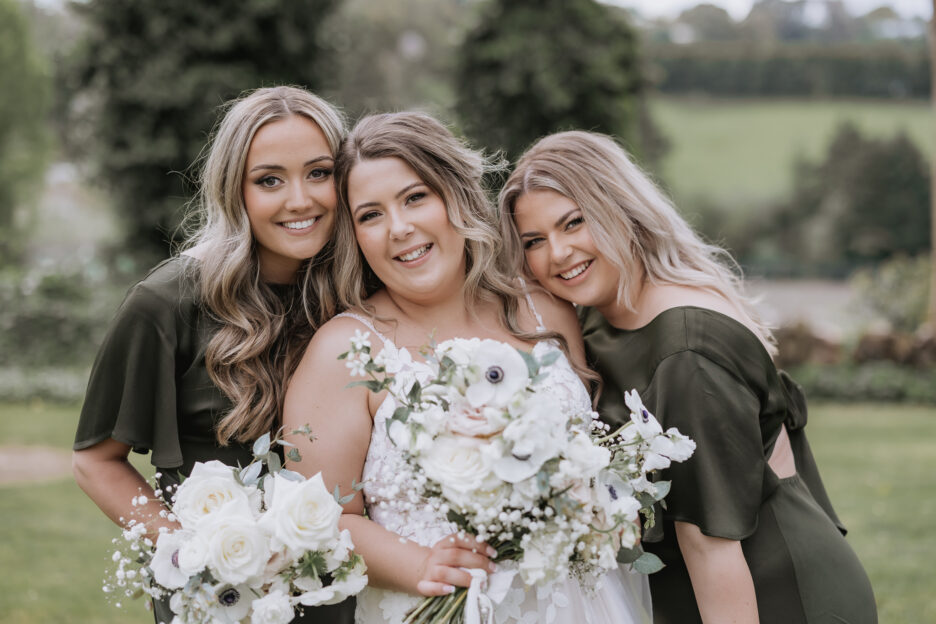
point(441, 570)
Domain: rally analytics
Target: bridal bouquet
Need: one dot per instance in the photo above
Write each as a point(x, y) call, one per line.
point(251, 548)
point(488, 446)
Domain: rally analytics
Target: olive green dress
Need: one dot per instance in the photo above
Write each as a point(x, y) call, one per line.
point(149, 389)
point(709, 376)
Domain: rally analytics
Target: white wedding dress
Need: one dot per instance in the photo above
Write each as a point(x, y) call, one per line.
point(618, 597)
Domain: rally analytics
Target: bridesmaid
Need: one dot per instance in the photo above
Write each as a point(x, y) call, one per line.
point(748, 533)
point(195, 363)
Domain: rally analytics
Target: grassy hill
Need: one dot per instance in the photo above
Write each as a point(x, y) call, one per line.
point(739, 153)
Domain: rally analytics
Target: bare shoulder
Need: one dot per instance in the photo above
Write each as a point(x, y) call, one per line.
point(557, 314)
point(334, 338)
point(667, 296)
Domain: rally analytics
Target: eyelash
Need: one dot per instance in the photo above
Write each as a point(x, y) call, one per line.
point(318, 174)
point(571, 223)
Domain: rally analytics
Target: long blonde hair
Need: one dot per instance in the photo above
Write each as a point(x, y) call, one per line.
point(453, 171)
point(634, 225)
point(260, 338)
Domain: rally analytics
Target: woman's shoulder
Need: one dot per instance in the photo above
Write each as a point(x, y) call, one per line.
point(167, 287)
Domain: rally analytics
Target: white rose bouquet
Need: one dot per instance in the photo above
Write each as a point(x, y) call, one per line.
point(550, 488)
point(252, 547)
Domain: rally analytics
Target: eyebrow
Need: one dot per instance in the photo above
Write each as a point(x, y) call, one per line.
point(558, 222)
point(282, 168)
point(402, 192)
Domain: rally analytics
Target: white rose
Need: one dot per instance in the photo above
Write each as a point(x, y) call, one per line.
point(583, 458)
point(165, 562)
point(498, 372)
point(470, 420)
point(209, 487)
point(304, 515)
point(432, 417)
point(193, 555)
point(238, 549)
point(456, 463)
point(274, 608)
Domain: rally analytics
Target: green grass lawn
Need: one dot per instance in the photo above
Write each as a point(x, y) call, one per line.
point(878, 463)
point(739, 152)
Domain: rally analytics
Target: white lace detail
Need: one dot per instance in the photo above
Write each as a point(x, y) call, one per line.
point(621, 597)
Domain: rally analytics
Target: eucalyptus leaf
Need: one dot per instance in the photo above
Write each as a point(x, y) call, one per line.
point(413, 395)
point(294, 455)
point(648, 563)
point(284, 443)
point(549, 358)
point(344, 500)
point(370, 384)
point(662, 489)
point(262, 445)
point(344, 355)
point(532, 364)
point(290, 475)
point(251, 473)
point(630, 555)
point(274, 463)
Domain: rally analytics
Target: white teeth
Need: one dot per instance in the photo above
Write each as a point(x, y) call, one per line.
point(298, 225)
point(416, 253)
point(576, 271)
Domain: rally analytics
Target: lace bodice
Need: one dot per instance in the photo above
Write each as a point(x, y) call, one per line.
point(564, 602)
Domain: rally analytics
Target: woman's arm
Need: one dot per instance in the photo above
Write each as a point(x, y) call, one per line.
point(108, 478)
point(341, 421)
point(720, 576)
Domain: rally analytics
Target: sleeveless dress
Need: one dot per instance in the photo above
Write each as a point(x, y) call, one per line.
point(708, 375)
point(619, 597)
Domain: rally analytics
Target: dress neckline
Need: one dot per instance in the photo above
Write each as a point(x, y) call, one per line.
point(661, 316)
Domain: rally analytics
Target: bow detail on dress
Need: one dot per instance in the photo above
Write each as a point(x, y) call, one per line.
point(485, 593)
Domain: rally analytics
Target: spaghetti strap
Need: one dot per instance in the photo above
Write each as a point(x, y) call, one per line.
point(526, 293)
point(366, 322)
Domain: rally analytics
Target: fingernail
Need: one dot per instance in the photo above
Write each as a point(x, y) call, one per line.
point(450, 589)
point(492, 567)
point(491, 552)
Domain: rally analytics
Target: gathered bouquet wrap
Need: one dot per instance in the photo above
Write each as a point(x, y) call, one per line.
point(252, 547)
point(554, 492)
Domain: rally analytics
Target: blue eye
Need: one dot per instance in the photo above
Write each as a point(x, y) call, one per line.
point(494, 375)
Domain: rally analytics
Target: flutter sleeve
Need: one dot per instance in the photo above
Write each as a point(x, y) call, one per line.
point(719, 489)
point(131, 394)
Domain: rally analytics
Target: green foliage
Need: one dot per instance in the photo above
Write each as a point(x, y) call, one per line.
point(24, 100)
point(532, 67)
point(394, 54)
point(896, 290)
point(866, 201)
point(872, 381)
point(56, 316)
point(155, 73)
point(748, 68)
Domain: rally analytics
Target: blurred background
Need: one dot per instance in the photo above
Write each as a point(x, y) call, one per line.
point(799, 134)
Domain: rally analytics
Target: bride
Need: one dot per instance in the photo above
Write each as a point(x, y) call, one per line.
point(426, 265)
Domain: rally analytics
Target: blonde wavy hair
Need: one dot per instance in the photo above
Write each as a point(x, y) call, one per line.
point(634, 225)
point(453, 171)
point(261, 336)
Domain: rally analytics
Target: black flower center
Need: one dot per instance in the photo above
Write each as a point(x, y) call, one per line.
point(175, 559)
point(612, 492)
point(229, 597)
point(645, 415)
point(494, 374)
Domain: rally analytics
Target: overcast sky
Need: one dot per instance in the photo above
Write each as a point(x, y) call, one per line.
point(740, 8)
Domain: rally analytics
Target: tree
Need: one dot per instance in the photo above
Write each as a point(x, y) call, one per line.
point(867, 201)
point(532, 67)
point(24, 97)
point(932, 301)
point(710, 23)
point(156, 71)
